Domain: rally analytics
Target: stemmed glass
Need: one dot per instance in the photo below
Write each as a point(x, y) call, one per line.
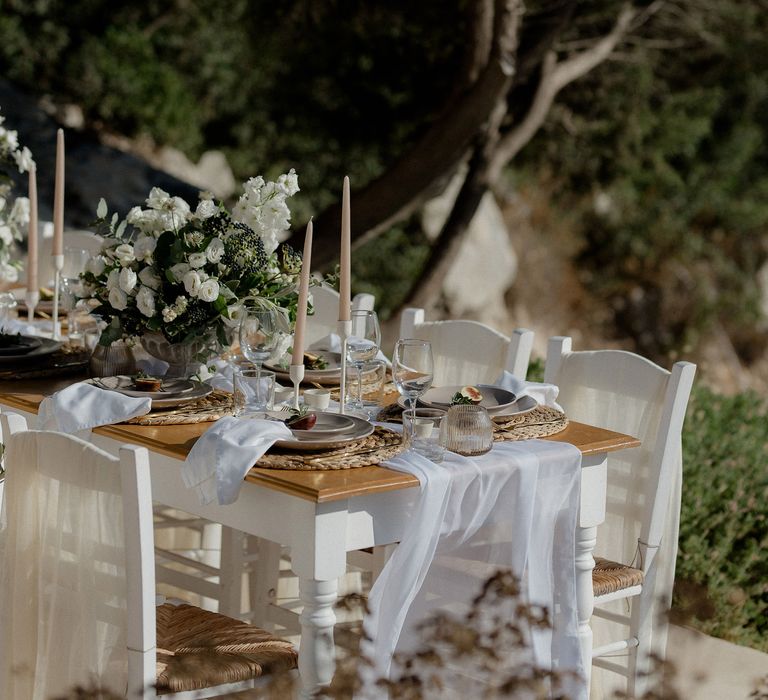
point(362, 346)
point(259, 334)
point(412, 368)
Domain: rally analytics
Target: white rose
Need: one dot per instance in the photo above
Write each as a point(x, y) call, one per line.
point(124, 253)
point(149, 277)
point(118, 298)
point(206, 209)
point(197, 259)
point(215, 250)
point(95, 265)
point(178, 271)
point(145, 301)
point(144, 247)
point(127, 280)
point(209, 290)
point(192, 283)
point(113, 280)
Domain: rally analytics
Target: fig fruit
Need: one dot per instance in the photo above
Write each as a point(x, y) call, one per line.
point(472, 393)
point(302, 421)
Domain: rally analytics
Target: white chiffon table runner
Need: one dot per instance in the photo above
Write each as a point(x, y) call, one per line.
point(514, 508)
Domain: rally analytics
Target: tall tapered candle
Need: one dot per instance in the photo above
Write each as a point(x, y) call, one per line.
point(58, 197)
point(345, 288)
point(301, 311)
point(32, 237)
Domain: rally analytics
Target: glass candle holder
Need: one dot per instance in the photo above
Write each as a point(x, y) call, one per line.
point(469, 430)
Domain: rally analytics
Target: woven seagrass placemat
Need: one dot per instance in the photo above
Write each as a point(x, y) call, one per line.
point(204, 410)
point(380, 445)
point(67, 360)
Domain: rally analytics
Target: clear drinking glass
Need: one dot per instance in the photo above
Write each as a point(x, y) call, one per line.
point(259, 335)
point(253, 390)
point(362, 346)
point(374, 375)
point(424, 430)
point(469, 430)
point(412, 368)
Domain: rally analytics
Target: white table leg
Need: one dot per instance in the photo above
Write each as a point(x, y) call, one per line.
point(586, 539)
point(317, 656)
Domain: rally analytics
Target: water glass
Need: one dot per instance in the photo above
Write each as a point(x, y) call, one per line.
point(259, 334)
point(373, 376)
point(412, 368)
point(253, 390)
point(8, 305)
point(424, 430)
point(362, 346)
point(469, 430)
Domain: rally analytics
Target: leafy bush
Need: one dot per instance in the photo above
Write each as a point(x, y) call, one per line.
point(722, 568)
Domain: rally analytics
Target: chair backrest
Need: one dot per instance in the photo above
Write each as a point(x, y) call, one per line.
point(76, 565)
point(325, 302)
point(469, 352)
point(622, 391)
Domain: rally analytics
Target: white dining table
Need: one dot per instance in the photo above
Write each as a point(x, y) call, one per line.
point(324, 515)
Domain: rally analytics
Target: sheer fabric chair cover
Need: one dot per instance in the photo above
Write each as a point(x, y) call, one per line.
point(469, 352)
point(61, 507)
point(624, 392)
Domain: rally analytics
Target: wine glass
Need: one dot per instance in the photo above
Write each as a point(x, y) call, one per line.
point(259, 334)
point(412, 368)
point(362, 346)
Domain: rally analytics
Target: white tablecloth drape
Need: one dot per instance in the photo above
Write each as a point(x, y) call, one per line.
point(514, 508)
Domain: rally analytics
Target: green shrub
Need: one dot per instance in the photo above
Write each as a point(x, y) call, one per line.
point(722, 566)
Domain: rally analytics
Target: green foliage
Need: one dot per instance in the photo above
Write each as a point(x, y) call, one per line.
point(724, 520)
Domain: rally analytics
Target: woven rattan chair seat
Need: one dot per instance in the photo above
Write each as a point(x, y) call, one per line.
point(197, 649)
point(608, 577)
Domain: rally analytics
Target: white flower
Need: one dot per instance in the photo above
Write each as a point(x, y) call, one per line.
point(124, 253)
point(169, 314)
point(206, 208)
point(192, 283)
point(24, 160)
point(11, 138)
point(20, 211)
point(234, 315)
point(8, 272)
point(181, 304)
point(118, 298)
point(178, 271)
point(197, 259)
point(127, 280)
point(144, 247)
point(145, 301)
point(215, 250)
point(289, 183)
point(95, 265)
point(285, 342)
point(209, 290)
point(149, 277)
point(134, 215)
point(6, 235)
point(113, 279)
point(157, 198)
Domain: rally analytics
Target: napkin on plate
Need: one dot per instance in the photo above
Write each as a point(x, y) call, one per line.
point(220, 459)
point(544, 394)
point(332, 343)
point(84, 406)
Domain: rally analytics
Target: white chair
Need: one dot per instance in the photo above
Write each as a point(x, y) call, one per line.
point(637, 543)
point(77, 572)
point(469, 352)
point(325, 302)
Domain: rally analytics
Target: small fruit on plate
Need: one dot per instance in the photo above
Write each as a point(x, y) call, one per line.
point(301, 419)
point(469, 395)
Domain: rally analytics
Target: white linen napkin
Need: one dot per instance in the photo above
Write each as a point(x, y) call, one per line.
point(84, 406)
point(36, 328)
point(332, 343)
point(218, 462)
point(544, 394)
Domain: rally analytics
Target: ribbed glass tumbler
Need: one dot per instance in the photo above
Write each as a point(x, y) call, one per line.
point(469, 430)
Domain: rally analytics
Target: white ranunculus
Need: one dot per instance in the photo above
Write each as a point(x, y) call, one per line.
point(149, 277)
point(95, 265)
point(209, 290)
point(192, 283)
point(113, 280)
point(178, 271)
point(144, 247)
point(157, 198)
point(6, 235)
point(197, 260)
point(118, 298)
point(206, 208)
point(215, 250)
point(127, 279)
point(145, 301)
point(124, 253)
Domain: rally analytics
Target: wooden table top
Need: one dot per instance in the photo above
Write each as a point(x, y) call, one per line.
point(319, 486)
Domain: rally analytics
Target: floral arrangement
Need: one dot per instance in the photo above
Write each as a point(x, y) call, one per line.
point(187, 274)
point(14, 218)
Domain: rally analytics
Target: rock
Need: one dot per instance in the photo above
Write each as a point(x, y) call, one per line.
point(486, 265)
